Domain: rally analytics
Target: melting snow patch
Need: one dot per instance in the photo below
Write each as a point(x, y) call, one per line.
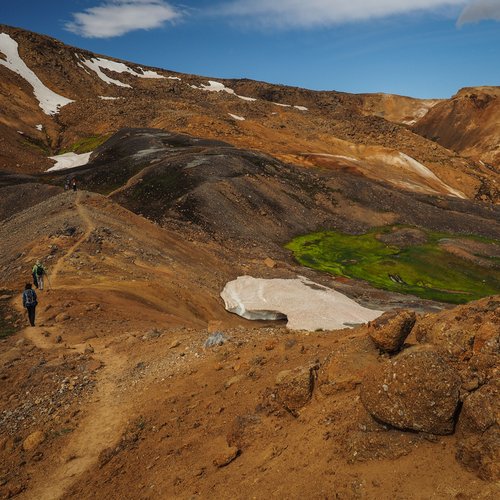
point(282, 105)
point(69, 160)
point(307, 305)
point(98, 63)
point(39, 127)
point(108, 98)
point(410, 163)
point(49, 101)
point(220, 87)
point(301, 108)
point(236, 117)
point(173, 78)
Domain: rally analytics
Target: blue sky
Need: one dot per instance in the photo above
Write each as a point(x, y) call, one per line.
point(422, 48)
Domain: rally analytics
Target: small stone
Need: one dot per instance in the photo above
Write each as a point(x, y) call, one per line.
point(34, 440)
point(59, 339)
point(175, 343)
point(270, 263)
point(60, 318)
point(232, 381)
point(226, 456)
point(89, 349)
point(93, 365)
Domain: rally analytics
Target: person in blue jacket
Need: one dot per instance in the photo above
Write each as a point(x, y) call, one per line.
point(30, 302)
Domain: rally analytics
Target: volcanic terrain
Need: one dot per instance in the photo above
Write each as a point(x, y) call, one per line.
point(137, 383)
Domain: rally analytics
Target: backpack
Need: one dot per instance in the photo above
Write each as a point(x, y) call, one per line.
point(40, 271)
point(30, 297)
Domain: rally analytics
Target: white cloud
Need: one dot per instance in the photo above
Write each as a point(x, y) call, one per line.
point(480, 10)
point(309, 13)
point(116, 17)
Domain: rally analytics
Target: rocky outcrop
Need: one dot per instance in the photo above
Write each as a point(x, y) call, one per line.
point(417, 390)
point(390, 330)
point(478, 447)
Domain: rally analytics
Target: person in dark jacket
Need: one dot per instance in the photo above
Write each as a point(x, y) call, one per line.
point(30, 302)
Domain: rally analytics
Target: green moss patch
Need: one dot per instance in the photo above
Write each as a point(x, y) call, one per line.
point(86, 145)
point(421, 267)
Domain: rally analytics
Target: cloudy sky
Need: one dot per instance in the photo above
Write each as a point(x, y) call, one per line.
point(423, 48)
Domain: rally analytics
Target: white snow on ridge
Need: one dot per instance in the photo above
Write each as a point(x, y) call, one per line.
point(109, 98)
point(98, 63)
point(236, 117)
point(49, 101)
point(173, 78)
point(301, 108)
point(220, 87)
point(69, 160)
point(307, 305)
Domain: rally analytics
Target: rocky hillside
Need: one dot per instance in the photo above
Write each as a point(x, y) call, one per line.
point(468, 123)
point(373, 131)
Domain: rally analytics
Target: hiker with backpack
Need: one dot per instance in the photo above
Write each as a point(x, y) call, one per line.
point(30, 302)
point(39, 272)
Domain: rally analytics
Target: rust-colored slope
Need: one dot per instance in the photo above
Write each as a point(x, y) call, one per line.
point(468, 123)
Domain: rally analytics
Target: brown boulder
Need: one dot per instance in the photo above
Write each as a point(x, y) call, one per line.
point(478, 447)
point(417, 390)
point(390, 330)
point(295, 388)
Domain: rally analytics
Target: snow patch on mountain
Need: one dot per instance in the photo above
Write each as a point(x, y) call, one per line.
point(39, 127)
point(49, 101)
point(413, 165)
point(108, 98)
point(69, 160)
point(220, 87)
point(97, 64)
point(236, 117)
point(306, 305)
point(301, 108)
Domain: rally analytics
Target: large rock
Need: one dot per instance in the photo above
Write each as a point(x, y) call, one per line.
point(390, 330)
point(294, 388)
point(478, 447)
point(417, 390)
point(469, 337)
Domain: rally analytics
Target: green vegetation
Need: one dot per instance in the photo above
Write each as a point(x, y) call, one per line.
point(36, 144)
point(86, 145)
point(424, 269)
point(7, 317)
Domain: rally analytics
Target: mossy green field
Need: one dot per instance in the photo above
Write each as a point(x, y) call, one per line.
point(425, 269)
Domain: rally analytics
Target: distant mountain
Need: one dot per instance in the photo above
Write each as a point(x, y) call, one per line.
point(56, 98)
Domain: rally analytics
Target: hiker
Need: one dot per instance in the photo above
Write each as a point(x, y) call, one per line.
point(73, 184)
point(39, 272)
point(30, 302)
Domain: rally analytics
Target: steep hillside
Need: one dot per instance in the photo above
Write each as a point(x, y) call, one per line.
point(282, 121)
point(468, 123)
